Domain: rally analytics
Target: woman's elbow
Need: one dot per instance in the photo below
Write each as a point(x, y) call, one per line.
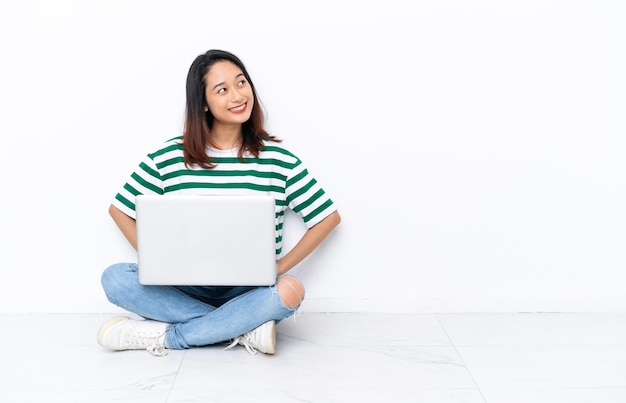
point(334, 218)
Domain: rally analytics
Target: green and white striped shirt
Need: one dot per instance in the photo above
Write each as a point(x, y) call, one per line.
point(276, 172)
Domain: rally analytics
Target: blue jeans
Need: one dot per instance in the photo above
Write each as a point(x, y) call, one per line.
point(199, 316)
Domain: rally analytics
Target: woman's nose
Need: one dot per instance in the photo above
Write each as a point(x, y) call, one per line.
point(235, 95)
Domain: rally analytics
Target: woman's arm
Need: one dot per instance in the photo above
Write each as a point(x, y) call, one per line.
point(311, 239)
point(126, 224)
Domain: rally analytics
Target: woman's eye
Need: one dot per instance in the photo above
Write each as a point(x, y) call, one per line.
point(221, 90)
point(242, 82)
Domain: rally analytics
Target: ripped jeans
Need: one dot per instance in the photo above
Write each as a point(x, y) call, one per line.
point(199, 316)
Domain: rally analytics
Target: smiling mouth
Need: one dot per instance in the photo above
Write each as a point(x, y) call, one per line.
point(239, 108)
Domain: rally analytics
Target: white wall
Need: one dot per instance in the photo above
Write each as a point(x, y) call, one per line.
point(475, 148)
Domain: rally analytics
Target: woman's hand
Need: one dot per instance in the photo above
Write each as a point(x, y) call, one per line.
point(311, 239)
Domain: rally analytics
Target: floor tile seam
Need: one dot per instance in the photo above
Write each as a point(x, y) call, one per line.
point(443, 328)
point(173, 384)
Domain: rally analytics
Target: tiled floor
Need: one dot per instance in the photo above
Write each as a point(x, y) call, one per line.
point(467, 358)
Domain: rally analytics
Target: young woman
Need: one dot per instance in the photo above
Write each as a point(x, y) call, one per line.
point(224, 149)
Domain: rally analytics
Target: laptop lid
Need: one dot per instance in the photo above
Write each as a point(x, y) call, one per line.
point(206, 240)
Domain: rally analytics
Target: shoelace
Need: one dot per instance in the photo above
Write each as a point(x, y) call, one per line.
point(157, 350)
point(155, 347)
point(243, 340)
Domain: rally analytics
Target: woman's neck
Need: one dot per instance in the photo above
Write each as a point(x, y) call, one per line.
point(225, 137)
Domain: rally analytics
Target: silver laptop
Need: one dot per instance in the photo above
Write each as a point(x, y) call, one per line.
point(206, 240)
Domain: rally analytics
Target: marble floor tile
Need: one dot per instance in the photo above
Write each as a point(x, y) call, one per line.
point(338, 329)
point(74, 368)
point(590, 366)
point(494, 329)
point(555, 395)
point(338, 357)
point(323, 394)
point(84, 396)
point(310, 366)
point(60, 352)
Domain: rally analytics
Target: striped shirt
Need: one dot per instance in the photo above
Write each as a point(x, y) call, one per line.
point(276, 171)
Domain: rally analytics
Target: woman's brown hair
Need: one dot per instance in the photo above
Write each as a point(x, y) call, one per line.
point(198, 122)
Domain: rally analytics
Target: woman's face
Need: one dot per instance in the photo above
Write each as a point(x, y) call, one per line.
point(228, 94)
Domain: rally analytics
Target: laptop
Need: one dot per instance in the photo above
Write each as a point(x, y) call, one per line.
point(206, 240)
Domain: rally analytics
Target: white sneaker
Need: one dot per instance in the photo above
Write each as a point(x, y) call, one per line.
point(123, 333)
point(262, 339)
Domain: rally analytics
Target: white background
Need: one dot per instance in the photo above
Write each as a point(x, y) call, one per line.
point(475, 148)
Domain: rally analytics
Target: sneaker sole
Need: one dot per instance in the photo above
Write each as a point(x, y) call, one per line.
point(107, 325)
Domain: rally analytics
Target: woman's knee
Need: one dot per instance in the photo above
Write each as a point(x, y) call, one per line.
point(291, 291)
